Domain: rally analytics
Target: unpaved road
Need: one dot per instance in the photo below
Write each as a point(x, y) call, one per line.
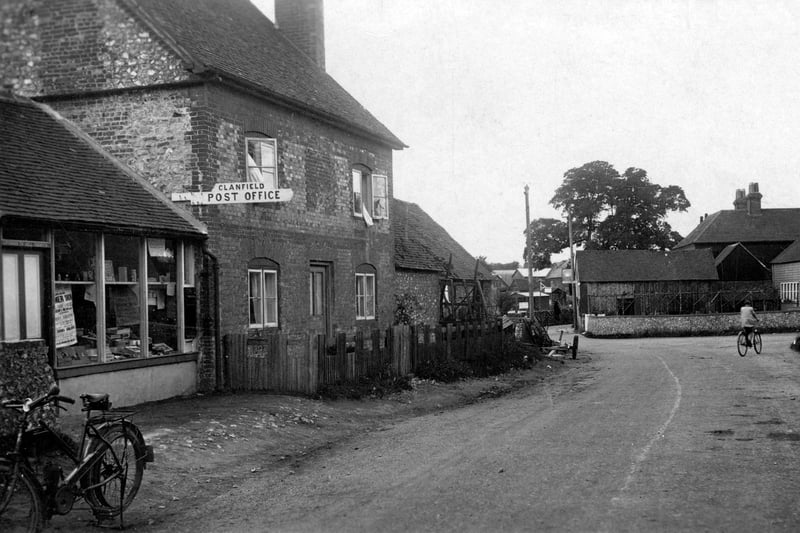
point(644, 435)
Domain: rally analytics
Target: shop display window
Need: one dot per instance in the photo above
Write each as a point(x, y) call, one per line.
point(125, 291)
point(123, 338)
point(75, 298)
point(162, 302)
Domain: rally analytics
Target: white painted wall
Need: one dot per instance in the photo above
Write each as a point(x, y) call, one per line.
point(131, 387)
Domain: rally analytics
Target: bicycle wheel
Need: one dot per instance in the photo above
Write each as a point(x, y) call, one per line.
point(116, 477)
point(21, 506)
point(741, 344)
point(757, 342)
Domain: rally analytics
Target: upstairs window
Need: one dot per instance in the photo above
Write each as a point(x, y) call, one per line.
point(365, 292)
point(370, 195)
point(261, 160)
point(263, 293)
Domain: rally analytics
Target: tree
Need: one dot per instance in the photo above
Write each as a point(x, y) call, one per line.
point(637, 213)
point(619, 212)
point(586, 193)
point(548, 236)
point(513, 265)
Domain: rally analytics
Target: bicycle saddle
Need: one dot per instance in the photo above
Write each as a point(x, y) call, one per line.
point(96, 401)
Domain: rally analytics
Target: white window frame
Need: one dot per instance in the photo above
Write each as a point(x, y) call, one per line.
point(790, 291)
point(265, 303)
point(370, 192)
point(254, 170)
point(365, 302)
point(22, 290)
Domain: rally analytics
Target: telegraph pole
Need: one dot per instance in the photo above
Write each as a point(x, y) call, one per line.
point(528, 252)
point(574, 272)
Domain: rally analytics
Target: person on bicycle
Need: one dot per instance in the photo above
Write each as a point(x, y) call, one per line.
point(749, 319)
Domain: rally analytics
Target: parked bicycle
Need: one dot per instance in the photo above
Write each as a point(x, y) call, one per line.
point(45, 473)
point(744, 341)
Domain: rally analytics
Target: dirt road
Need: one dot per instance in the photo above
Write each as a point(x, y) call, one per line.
point(638, 434)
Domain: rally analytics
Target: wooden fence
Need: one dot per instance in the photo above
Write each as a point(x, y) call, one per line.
point(300, 363)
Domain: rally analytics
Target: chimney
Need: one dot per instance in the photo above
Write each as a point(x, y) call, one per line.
point(303, 23)
point(753, 200)
point(740, 203)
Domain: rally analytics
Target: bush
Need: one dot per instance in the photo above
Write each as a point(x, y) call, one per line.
point(444, 370)
point(365, 387)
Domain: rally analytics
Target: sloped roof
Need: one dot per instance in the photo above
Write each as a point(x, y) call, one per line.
point(234, 39)
point(422, 244)
point(728, 250)
point(644, 265)
point(789, 255)
point(731, 226)
point(505, 275)
point(557, 268)
point(51, 171)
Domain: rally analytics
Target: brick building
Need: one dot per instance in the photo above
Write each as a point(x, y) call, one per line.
point(210, 96)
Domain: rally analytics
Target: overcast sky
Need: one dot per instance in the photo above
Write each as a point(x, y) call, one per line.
point(491, 95)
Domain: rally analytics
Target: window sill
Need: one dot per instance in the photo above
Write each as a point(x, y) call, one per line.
point(127, 364)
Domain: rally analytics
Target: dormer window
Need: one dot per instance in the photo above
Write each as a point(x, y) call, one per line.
point(261, 160)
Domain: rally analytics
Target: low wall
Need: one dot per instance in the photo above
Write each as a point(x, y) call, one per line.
point(684, 325)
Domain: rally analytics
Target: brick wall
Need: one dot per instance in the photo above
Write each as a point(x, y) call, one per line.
point(79, 45)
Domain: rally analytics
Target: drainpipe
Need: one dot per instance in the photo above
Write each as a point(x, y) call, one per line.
point(218, 360)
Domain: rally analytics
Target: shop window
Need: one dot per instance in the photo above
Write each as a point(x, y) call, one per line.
point(75, 298)
point(261, 160)
point(263, 293)
point(22, 295)
point(365, 292)
point(117, 297)
point(162, 296)
point(370, 194)
point(123, 316)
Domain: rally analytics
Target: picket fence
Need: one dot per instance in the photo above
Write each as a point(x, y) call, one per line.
point(300, 363)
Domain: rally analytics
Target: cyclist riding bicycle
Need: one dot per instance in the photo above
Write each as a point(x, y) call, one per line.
point(749, 319)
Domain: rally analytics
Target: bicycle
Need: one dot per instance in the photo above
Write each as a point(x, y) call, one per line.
point(105, 470)
point(742, 343)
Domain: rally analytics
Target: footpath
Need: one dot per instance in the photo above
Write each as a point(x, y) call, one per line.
point(205, 444)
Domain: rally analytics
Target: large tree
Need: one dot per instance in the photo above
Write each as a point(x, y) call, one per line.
point(586, 193)
point(548, 236)
point(619, 212)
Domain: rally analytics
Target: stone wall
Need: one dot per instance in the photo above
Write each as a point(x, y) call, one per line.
point(684, 325)
point(24, 373)
point(425, 286)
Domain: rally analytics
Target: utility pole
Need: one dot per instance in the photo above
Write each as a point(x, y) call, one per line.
point(574, 274)
point(528, 252)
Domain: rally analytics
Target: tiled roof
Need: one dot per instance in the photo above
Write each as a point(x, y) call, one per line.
point(644, 265)
point(234, 39)
point(50, 171)
point(730, 226)
point(506, 275)
point(422, 244)
point(557, 269)
point(790, 254)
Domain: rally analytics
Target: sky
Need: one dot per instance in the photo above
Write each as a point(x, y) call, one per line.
point(493, 95)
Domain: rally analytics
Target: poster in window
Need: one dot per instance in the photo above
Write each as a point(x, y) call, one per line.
point(66, 334)
point(126, 307)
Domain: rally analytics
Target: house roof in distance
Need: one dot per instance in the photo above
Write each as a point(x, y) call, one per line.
point(789, 255)
point(422, 244)
point(234, 39)
point(644, 265)
point(731, 226)
point(53, 172)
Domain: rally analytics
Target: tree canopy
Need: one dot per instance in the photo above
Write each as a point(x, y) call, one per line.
point(609, 211)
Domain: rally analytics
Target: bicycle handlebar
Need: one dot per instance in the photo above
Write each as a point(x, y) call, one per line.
point(29, 405)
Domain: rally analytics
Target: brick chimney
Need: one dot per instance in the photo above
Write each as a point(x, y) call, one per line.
point(753, 200)
point(740, 202)
point(303, 23)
